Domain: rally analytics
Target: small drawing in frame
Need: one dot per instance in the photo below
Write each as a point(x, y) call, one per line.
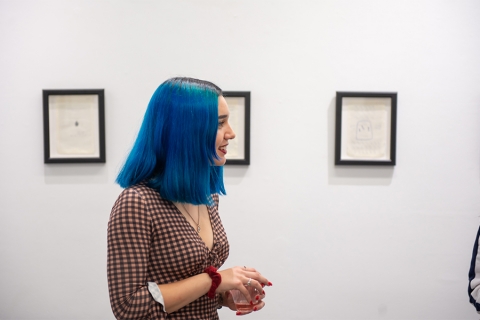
point(365, 128)
point(74, 126)
point(239, 107)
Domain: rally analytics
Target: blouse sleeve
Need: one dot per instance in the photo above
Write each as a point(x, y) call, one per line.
point(156, 293)
point(129, 232)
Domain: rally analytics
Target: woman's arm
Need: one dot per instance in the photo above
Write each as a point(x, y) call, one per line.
point(128, 237)
point(178, 294)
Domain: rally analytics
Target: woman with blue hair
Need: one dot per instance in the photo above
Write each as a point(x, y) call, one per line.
point(166, 241)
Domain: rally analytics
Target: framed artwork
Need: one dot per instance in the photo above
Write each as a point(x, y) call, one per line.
point(74, 126)
point(239, 106)
point(365, 128)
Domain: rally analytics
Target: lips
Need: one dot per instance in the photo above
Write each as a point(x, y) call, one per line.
point(223, 149)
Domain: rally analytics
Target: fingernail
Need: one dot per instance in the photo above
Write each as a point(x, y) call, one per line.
point(239, 313)
point(263, 285)
point(263, 291)
point(255, 309)
point(270, 284)
point(251, 303)
point(257, 298)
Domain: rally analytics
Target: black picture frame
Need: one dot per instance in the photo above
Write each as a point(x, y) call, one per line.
point(365, 128)
point(74, 125)
point(239, 106)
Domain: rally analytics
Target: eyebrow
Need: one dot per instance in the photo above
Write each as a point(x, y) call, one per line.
point(223, 116)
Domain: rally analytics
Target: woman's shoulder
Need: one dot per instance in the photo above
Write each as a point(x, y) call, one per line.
point(142, 188)
point(141, 197)
point(143, 191)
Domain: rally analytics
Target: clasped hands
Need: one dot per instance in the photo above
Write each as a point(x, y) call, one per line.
point(238, 278)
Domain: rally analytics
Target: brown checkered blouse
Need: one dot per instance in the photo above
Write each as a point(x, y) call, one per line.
point(149, 240)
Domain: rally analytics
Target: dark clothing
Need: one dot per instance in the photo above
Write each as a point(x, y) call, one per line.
point(474, 276)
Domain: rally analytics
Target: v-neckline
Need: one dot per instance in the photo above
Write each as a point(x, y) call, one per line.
point(193, 228)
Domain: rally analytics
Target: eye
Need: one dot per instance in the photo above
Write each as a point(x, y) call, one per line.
point(221, 123)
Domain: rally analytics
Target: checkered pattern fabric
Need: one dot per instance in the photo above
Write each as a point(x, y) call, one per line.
point(149, 240)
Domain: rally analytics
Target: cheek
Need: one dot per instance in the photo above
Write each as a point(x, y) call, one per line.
point(219, 138)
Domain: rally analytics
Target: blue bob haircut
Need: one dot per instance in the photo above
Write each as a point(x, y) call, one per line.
point(175, 148)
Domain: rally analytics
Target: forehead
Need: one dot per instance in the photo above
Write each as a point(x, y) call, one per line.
point(222, 106)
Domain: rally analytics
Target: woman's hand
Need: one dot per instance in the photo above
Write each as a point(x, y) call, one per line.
point(238, 278)
point(228, 302)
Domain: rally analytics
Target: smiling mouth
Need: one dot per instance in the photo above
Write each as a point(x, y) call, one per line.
point(223, 149)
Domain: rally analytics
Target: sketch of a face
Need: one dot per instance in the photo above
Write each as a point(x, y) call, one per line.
point(364, 130)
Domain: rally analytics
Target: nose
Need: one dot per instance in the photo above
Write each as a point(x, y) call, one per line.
point(230, 134)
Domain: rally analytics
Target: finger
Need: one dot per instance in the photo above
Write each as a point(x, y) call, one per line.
point(255, 284)
point(248, 269)
point(244, 291)
point(263, 280)
point(255, 294)
point(259, 297)
point(259, 306)
point(242, 313)
point(257, 276)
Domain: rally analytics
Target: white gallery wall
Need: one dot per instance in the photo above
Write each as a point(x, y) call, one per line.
point(337, 242)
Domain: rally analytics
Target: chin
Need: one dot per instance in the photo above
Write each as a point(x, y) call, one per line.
point(220, 162)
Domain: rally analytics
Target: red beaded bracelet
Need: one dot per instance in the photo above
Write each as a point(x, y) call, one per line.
point(216, 279)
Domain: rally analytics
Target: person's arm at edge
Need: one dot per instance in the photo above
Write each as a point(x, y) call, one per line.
point(474, 276)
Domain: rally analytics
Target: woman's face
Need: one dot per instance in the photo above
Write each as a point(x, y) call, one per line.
point(224, 133)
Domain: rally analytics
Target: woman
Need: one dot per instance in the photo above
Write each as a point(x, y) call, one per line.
point(165, 237)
